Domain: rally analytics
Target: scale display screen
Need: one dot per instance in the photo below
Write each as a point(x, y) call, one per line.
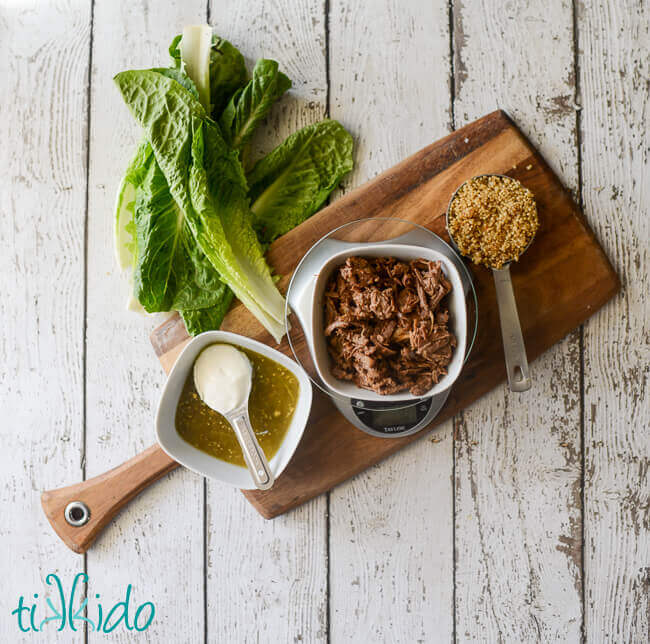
point(391, 417)
point(387, 420)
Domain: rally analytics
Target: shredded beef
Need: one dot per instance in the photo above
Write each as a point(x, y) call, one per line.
point(386, 324)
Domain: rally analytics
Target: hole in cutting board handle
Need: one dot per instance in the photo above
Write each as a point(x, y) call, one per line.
point(77, 513)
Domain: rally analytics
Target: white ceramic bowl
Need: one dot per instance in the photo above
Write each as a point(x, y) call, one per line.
point(198, 461)
point(457, 319)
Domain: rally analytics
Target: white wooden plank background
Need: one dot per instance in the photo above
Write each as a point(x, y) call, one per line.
point(616, 343)
point(518, 470)
point(532, 524)
point(43, 202)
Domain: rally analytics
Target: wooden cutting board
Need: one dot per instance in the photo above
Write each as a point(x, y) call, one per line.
point(561, 280)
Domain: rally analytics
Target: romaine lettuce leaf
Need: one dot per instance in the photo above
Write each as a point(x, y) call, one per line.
point(251, 104)
point(180, 77)
point(292, 182)
point(211, 191)
point(170, 272)
point(227, 71)
point(175, 51)
point(124, 230)
point(208, 319)
point(223, 228)
point(227, 74)
point(166, 111)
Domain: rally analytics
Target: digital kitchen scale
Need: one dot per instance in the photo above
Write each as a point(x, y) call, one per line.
point(387, 419)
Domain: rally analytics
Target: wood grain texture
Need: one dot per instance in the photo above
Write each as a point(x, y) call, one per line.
point(43, 74)
point(518, 465)
point(614, 39)
point(267, 581)
point(393, 578)
point(160, 534)
point(518, 460)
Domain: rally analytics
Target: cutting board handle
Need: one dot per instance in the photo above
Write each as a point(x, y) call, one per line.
point(78, 513)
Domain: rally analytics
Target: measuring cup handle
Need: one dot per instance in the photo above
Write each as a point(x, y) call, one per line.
point(253, 454)
point(513, 341)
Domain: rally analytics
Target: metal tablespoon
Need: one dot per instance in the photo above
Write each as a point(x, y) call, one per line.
point(239, 419)
point(514, 348)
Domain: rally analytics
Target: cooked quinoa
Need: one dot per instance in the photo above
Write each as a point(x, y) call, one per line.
point(492, 219)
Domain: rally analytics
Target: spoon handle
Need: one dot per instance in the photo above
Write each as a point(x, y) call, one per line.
point(513, 340)
point(254, 456)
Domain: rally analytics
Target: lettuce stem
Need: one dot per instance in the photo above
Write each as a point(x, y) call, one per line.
point(195, 48)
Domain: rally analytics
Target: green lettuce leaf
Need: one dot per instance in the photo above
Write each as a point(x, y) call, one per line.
point(124, 229)
point(180, 77)
point(170, 271)
point(251, 104)
point(227, 74)
point(208, 185)
point(124, 233)
point(166, 111)
point(208, 319)
point(223, 227)
point(175, 51)
point(227, 71)
point(293, 181)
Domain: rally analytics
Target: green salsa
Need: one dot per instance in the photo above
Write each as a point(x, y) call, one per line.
point(272, 403)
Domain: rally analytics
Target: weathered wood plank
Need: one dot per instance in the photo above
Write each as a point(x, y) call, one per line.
point(157, 542)
point(518, 465)
point(518, 459)
point(44, 70)
point(267, 580)
point(391, 543)
point(614, 41)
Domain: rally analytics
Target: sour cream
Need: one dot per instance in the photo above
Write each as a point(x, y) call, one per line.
point(222, 377)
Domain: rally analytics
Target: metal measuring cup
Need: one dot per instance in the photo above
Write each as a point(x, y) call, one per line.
point(513, 340)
